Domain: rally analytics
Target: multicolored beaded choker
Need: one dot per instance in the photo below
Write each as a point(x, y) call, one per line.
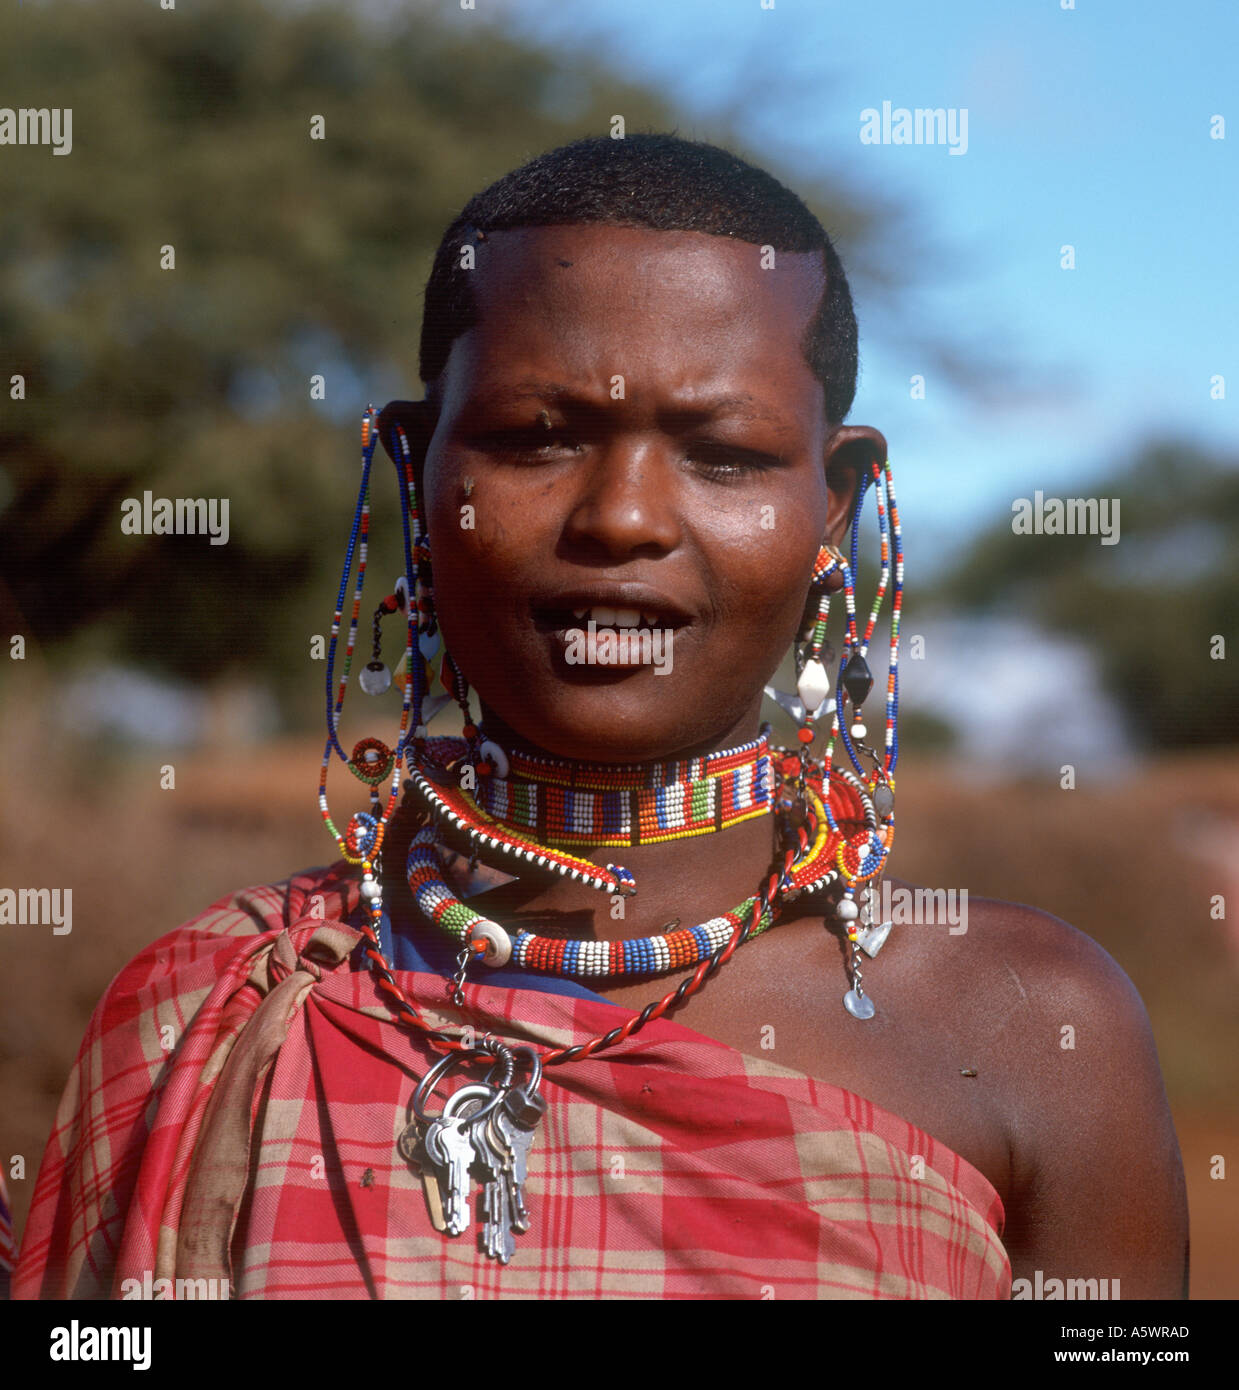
point(567, 803)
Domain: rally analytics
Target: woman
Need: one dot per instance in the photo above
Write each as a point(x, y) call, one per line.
point(638, 357)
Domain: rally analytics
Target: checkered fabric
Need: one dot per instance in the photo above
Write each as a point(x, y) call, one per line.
point(236, 1102)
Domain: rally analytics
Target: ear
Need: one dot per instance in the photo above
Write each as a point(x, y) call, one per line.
point(849, 456)
point(418, 419)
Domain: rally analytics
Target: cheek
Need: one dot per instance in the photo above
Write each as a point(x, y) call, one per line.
point(761, 588)
point(481, 559)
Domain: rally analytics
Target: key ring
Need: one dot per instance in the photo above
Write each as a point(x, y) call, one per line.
point(426, 1086)
point(471, 1091)
point(488, 1047)
point(535, 1065)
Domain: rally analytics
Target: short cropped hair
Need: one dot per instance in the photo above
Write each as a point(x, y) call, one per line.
point(654, 180)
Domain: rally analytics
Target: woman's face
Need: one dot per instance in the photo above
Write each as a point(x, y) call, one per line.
point(631, 425)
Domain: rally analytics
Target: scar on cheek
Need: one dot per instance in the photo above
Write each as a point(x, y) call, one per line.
point(468, 487)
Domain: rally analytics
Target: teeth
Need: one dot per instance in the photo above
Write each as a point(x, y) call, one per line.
point(616, 617)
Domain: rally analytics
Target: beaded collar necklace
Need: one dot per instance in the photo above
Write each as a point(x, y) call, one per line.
point(567, 803)
point(594, 804)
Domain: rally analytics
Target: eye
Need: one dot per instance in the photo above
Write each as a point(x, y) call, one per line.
point(722, 463)
point(532, 443)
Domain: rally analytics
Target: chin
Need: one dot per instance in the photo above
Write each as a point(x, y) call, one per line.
point(606, 724)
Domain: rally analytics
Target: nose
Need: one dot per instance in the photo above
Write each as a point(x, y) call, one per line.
point(628, 503)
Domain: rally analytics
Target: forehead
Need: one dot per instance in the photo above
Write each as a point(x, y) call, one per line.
point(682, 309)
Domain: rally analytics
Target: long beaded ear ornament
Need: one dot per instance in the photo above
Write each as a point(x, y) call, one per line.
point(860, 856)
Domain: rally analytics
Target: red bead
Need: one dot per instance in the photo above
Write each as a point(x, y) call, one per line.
point(805, 735)
point(470, 731)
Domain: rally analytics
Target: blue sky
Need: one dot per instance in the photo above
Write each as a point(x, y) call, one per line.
point(1088, 126)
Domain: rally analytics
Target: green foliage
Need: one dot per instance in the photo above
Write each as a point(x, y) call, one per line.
point(1150, 606)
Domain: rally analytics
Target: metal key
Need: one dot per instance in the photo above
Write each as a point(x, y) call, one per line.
point(517, 1120)
point(475, 1105)
point(514, 1213)
point(518, 1217)
point(497, 1228)
point(413, 1148)
point(451, 1150)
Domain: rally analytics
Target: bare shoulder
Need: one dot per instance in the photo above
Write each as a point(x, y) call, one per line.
point(1056, 977)
point(1097, 1179)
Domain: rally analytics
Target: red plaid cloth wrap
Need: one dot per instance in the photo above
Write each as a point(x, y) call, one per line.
point(674, 1168)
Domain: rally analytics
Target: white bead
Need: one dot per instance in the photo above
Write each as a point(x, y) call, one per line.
point(847, 911)
point(858, 730)
point(813, 685)
point(496, 757)
point(370, 888)
point(500, 942)
point(421, 732)
point(374, 678)
point(402, 593)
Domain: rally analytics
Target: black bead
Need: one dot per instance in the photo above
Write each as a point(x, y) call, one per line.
point(857, 679)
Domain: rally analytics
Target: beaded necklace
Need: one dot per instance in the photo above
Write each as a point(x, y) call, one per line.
point(599, 804)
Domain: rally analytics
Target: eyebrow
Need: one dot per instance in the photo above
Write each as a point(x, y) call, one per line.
point(743, 405)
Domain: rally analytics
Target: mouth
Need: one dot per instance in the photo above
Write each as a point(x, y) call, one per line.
point(570, 619)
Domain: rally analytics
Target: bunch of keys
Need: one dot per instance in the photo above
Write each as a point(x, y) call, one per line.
point(484, 1131)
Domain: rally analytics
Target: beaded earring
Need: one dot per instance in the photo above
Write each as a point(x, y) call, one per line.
point(862, 856)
